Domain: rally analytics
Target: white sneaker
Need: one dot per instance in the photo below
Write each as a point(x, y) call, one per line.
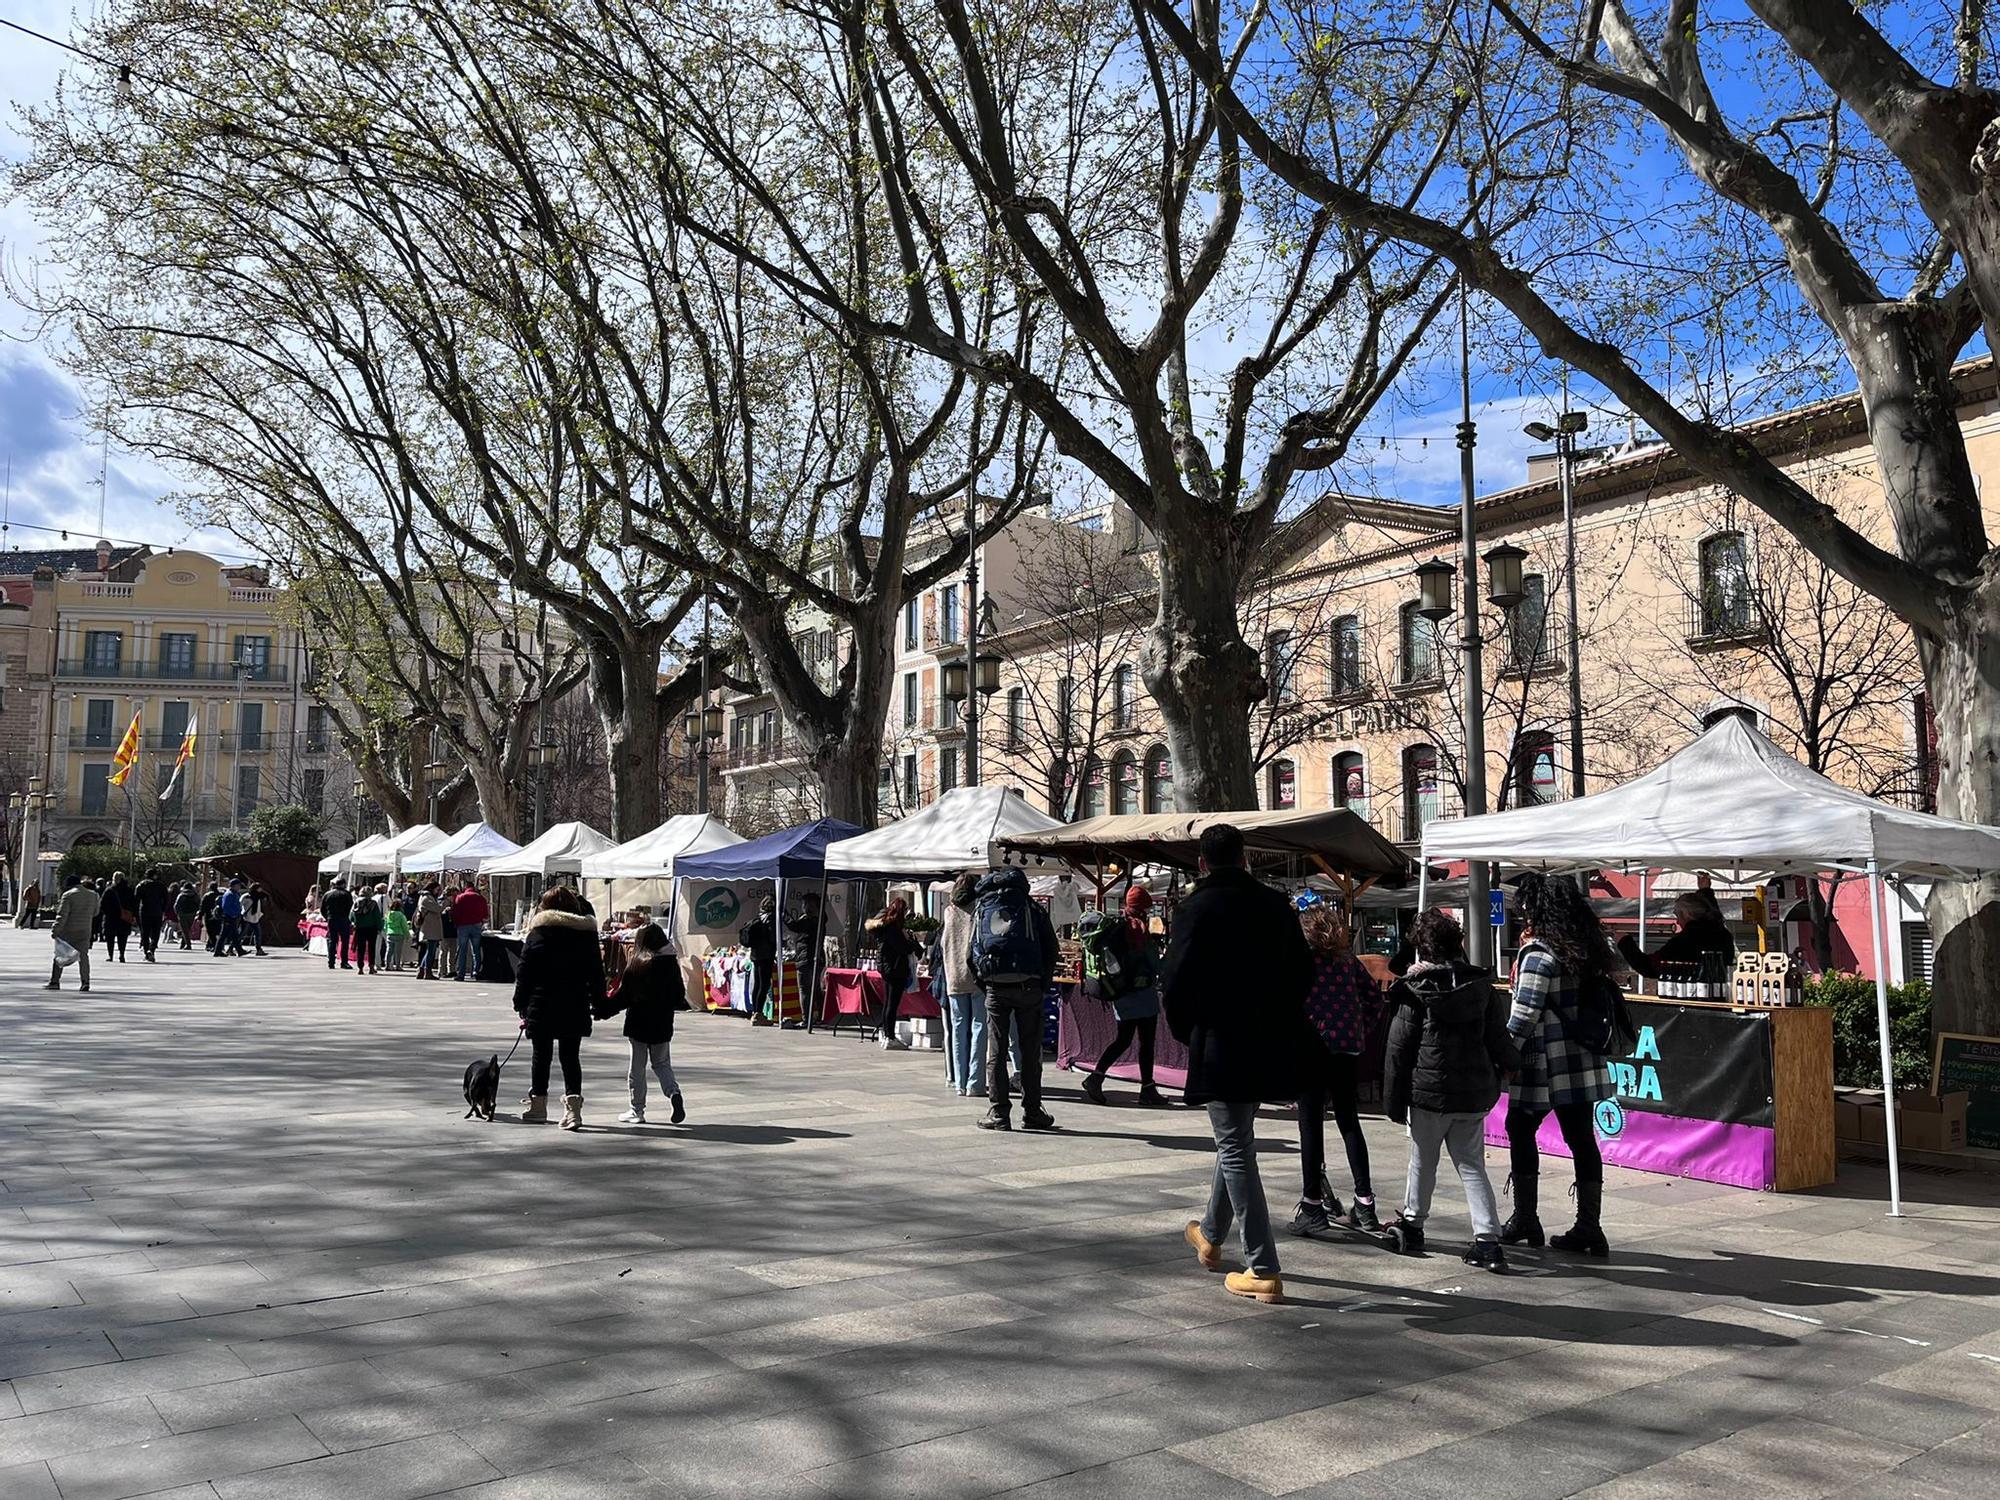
point(632, 1117)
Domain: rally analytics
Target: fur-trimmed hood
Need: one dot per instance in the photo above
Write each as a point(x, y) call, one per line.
point(574, 921)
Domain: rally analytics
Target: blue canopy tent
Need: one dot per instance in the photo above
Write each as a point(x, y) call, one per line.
point(797, 853)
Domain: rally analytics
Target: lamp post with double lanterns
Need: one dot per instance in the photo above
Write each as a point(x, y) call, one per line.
point(702, 728)
point(1569, 426)
point(984, 683)
point(29, 805)
point(541, 755)
point(1435, 603)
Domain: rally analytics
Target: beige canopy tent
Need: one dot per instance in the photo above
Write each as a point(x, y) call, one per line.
point(1333, 842)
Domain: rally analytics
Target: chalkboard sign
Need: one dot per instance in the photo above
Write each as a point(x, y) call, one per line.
point(1971, 1063)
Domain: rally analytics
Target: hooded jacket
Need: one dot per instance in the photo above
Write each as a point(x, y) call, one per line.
point(651, 994)
point(560, 982)
point(1448, 1042)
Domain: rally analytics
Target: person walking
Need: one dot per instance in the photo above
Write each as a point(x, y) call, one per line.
point(966, 1042)
point(896, 953)
point(469, 915)
point(1563, 951)
point(395, 932)
point(558, 987)
point(1447, 1053)
point(429, 926)
point(1014, 954)
point(30, 913)
point(187, 911)
point(1343, 1005)
point(1136, 999)
point(760, 937)
point(76, 916)
point(118, 911)
point(368, 919)
point(1234, 986)
point(229, 939)
point(337, 906)
point(151, 894)
point(651, 992)
point(254, 903)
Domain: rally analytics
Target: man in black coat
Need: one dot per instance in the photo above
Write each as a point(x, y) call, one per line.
point(337, 906)
point(152, 894)
point(1234, 988)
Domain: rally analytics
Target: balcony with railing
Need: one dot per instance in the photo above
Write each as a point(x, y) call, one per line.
point(1525, 651)
point(1418, 671)
point(159, 742)
point(1714, 619)
point(108, 590)
point(95, 669)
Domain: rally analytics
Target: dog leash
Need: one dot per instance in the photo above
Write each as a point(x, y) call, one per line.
point(518, 1034)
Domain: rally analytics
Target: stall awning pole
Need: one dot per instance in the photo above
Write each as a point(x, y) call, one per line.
point(1882, 1026)
point(1645, 881)
point(1423, 876)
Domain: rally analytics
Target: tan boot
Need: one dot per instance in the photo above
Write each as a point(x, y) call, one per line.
point(572, 1112)
point(1209, 1255)
point(537, 1112)
point(1257, 1288)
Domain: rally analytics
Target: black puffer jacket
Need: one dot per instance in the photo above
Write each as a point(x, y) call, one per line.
point(1448, 1042)
point(650, 993)
point(560, 982)
point(1705, 949)
point(1234, 988)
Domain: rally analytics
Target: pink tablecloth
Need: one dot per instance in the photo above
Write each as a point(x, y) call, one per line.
point(861, 992)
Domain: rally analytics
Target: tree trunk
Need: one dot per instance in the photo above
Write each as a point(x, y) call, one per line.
point(1964, 679)
point(502, 789)
point(624, 686)
point(840, 730)
point(1203, 675)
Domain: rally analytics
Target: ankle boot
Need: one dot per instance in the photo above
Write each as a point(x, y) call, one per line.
point(1585, 1237)
point(1522, 1226)
point(572, 1112)
point(537, 1112)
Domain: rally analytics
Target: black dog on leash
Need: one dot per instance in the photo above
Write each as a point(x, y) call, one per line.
point(482, 1087)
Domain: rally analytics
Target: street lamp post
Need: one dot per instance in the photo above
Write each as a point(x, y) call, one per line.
point(1569, 425)
point(243, 668)
point(1479, 932)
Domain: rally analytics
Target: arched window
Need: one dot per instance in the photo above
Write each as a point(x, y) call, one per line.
point(1159, 780)
point(1092, 801)
point(1283, 794)
point(1124, 782)
point(1423, 797)
point(1347, 655)
point(1726, 610)
point(1350, 783)
point(1534, 770)
point(1280, 662)
point(1528, 626)
point(1418, 638)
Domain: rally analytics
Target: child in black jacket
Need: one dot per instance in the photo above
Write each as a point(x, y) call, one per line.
point(650, 992)
point(1448, 1052)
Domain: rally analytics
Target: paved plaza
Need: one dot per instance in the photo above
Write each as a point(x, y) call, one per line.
point(249, 1249)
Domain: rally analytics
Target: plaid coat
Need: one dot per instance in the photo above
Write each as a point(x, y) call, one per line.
point(1554, 1068)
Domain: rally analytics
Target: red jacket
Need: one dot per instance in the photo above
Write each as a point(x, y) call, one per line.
point(468, 908)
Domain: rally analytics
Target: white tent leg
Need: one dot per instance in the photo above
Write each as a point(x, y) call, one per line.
point(1882, 1027)
point(1423, 882)
point(1645, 881)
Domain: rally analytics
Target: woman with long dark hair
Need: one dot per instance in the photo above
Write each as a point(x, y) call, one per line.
point(558, 987)
point(1563, 949)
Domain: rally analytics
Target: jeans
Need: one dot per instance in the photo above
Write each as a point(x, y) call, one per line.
point(337, 934)
point(468, 949)
point(1341, 1089)
point(1010, 1005)
point(1144, 1030)
point(572, 1064)
point(228, 937)
point(392, 948)
point(364, 948)
point(1464, 1136)
point(82, 968)
point(660, 1057)
point(1237, 1192)
point(427, 957)
point(760, 985)
point(967, 1053)
point(1579, 1133)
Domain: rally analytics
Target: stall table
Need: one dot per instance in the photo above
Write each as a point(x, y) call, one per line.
point(1717, 1092)
point(861, 992)
point(499, 956)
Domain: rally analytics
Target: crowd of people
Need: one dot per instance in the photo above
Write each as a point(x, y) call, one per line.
point(224, 916)
point(434, 929)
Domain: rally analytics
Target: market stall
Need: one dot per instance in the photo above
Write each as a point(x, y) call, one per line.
point(387, 857)
point(1715, 1089)
point(462, 853)
point(560, 851)
point(1333, 845)
point(343, 863)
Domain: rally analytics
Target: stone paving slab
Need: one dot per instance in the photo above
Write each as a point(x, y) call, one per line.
point(249, 1248)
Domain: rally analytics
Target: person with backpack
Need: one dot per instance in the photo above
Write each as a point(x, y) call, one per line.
point(1128, 970)
point(896, 953)
point(151, 894)
point(1447, 1053)
point(1014, 954)
point(187, 911)
point(651, 992)
point(1343, 1005)
point(367, 930)
point(1562, 1020)
point(966, 1023)
point(1234, 988)
point(760, 937)
point(337, 906)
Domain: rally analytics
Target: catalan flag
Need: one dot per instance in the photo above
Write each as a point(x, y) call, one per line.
point(186, 755)
point(127, 754)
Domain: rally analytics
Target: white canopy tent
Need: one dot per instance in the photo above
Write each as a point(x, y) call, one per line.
point(954, 833)
point(392, 851)
point(343, 861)
point(651, 855)
point(467, 849)
point(1732, 802)
point(560, 851)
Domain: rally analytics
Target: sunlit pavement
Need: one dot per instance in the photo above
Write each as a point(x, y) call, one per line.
point(249, 1248)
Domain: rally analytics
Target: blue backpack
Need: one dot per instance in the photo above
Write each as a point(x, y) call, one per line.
point(1005, 946)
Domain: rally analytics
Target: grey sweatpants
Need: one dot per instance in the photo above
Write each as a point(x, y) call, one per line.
point(1464, 1135)
point(659, 1056)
